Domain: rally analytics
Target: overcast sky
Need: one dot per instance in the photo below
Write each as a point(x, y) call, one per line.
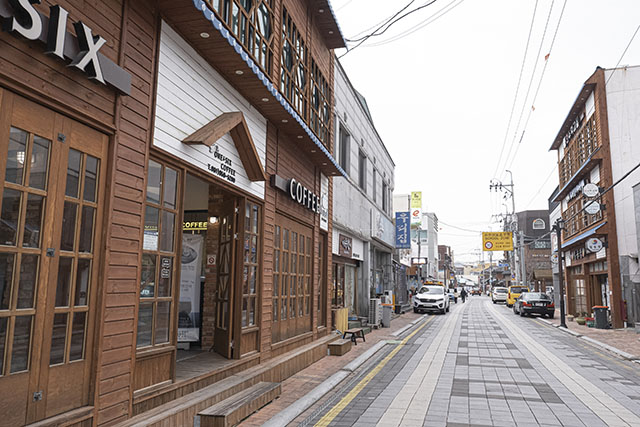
point(441, 97)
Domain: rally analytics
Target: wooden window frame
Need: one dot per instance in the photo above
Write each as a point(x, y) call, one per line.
point(294, 82)
point(320, 114)
point(250, 233)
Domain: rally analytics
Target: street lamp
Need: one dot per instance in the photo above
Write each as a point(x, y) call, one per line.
point(558, 227)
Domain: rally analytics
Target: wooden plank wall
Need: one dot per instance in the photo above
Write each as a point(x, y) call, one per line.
point(125, 222)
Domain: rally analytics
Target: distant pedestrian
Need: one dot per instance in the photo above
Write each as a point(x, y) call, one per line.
point(463, 294)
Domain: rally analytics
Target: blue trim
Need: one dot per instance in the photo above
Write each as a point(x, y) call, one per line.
point(582, 236)
point(217, 24)
point(335, 19)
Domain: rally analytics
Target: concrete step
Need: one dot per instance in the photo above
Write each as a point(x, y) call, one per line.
point(236, 408)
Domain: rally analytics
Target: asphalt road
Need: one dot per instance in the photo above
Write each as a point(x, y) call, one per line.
point(482, 365)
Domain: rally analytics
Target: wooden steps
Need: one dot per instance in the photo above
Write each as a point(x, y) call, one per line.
point(234, 409)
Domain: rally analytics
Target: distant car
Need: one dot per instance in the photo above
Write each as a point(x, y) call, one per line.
point(499, 294)
point(514, 294)
point(534, 302)
point(431, 298)
point(476, 291)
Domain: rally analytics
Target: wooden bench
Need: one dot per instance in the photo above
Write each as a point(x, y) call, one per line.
point(353, 334)
point(339, 347)
point(234, 409)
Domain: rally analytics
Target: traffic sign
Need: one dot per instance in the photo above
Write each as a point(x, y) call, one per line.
point(497, 241)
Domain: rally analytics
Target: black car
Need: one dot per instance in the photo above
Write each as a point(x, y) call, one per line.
point(534, 302)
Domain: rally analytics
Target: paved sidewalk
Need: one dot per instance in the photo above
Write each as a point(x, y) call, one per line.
point(625, 339)
point(306, 380)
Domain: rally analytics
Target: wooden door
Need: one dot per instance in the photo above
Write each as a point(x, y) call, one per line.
point(51, 176)
point(223, 334)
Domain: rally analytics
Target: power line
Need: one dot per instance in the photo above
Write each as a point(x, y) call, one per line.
point(379, 31)
point(380, 24)
point(623, 53)
point(429, 20)
point(555, 167)
point(458, 228)
point(515, 97)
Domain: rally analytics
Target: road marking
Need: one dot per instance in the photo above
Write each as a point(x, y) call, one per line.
point(413, 400)
point(603, 405)
point(329, 416)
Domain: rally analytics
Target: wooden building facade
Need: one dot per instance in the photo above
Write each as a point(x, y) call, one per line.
point(166, 197)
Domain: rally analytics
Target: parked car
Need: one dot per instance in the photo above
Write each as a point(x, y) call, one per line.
point(453, 295)
point(534, 302)
point(514, 293)
point(431, 298)
point(499, 294)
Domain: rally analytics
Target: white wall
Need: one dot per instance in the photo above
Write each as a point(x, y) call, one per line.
point(623, 110)
point(191, 94)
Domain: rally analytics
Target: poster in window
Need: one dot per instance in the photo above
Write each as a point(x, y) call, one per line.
point(189, 308)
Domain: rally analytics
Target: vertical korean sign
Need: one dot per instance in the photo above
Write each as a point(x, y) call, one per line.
point(416, 209)
point(402, 230)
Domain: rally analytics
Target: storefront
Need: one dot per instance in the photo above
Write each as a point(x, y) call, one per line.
point(587, 275)
point(348, 257)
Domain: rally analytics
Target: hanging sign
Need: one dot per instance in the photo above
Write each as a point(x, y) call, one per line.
point(592, 208)
point(590, 190)
point(594, 245)
point(402, 230)
point(21, 18)
point(416, 199)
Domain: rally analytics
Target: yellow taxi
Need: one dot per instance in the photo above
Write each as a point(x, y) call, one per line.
point(514, 294)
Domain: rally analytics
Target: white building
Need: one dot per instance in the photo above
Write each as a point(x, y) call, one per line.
point(363, 230)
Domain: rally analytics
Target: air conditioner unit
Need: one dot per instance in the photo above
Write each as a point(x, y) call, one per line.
point(375, 311)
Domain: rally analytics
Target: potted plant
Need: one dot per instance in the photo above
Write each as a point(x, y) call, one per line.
point(581, 319)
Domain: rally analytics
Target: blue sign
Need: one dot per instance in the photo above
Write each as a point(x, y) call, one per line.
point(402, 230)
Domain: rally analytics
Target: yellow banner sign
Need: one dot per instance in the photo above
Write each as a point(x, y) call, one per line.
point(497, 241)
point(416, 199)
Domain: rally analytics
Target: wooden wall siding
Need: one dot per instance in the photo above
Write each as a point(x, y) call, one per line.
point(125, 220)
point(28, 70)
point(191, 94)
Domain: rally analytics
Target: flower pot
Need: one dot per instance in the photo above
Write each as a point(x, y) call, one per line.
point(580, 321)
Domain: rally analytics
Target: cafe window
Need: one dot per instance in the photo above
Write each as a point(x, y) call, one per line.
point(251, 22)
point(158, 255)
point(251, 269)
point(342, 148)
point(362, 171)
point(294, 68)
point(320, 112)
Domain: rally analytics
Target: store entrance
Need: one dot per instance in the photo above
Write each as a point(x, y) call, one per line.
point(207, 269)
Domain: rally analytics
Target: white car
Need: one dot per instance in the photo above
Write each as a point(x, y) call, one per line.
point(431, 298)
point(499, 294)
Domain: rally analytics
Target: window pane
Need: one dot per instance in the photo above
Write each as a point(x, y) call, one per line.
point(90, 179)
point(168, 229)
point(162, 321)
point(6, 280)
point(247, 217)
point(86, 229)
point(148, 277)
point(58, 338)
point(252, 279)
point(33, 221)
point(83, 276)
point(76, 352)
point(21, 344)
point(73, 173)
point(16, 155)
point(252, 311)
point(153, 182)
point(276, 261)
point(275, 309)
point(150, 242)
point(254, 223)
point(67, 241)
point(277, 237)
point(245, 280)
point(28, 278)
point(64, 281)
point(166, 272)
point(254, 249)
point(145, 323)
point(244, 312)
point(11, 200)
point(3, 341)
point(170, 188)
point(39, 163)
point(247, 247)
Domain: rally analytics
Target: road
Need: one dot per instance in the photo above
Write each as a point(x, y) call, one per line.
point(482, 365)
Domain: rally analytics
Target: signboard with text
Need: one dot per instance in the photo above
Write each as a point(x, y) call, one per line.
point(402, 230)
point(497, 241)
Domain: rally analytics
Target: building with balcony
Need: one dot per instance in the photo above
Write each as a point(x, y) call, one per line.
point(166, 198)
point(597, 144)
point(363, 230)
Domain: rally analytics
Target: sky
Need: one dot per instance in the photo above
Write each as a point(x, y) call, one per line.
point(447, 96)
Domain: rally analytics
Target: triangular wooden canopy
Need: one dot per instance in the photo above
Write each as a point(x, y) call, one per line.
point(234, 124)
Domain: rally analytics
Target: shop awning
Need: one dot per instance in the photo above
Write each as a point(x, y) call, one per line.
point(582, 236)
point(232, 123)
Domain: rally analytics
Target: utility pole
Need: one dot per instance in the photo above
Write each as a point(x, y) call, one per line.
point(496, 185)
point(557, 227)
point(523, 270)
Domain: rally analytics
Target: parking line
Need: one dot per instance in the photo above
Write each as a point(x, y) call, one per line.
point(329, 416)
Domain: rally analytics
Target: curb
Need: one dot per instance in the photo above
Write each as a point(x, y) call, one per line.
point(299, 406)
point(621, 353)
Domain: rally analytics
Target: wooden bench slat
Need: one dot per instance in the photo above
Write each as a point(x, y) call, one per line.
point(239, 406)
